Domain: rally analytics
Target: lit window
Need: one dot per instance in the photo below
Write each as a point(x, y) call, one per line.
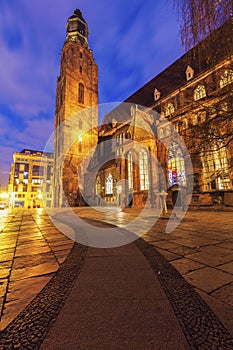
point(215, 168)
point(109, 184)
point(199, 92)
point(176, 168)
point(80, 93)
point(185, 124)
point(195, 119)
point(169, 110)
point(98, 185)
point(143, 168)
point(130, 170)
point(226, 78)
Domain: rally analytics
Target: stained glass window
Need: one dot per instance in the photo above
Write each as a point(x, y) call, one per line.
point(176, 166)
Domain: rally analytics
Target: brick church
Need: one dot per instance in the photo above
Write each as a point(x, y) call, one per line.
point(170, 142)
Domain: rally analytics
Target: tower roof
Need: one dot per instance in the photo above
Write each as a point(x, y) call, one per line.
point(76, 28)
point(77, 14)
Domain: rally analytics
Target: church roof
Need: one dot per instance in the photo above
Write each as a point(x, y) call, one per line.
point(203, 56)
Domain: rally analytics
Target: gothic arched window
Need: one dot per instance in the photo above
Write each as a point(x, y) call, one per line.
point(130, 170)
point(98, 185)
point(80, 93)
point(109, 184)
point(215, 167)
point(169, 110)
point(199, 92)
point(143, 170)
point(176, 167)
point(226, 78)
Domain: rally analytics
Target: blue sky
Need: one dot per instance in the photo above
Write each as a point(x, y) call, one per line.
point(132, 41)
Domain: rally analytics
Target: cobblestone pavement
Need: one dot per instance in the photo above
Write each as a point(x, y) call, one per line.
point(200, 248)
point(31, 251)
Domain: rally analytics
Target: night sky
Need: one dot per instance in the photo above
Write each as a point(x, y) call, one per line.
point(132, 41)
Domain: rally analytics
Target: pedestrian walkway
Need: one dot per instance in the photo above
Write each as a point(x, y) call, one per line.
point(128, 297)
point(116, 303)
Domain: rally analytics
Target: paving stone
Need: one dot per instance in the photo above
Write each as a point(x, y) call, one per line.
point(168, 255)
point(216, 250)
point(225, 294)
point(208, 279)
point(3, 285)
point(185, 265)
point(38, 270)
point(209, 259)
point(227, 267)
point(4, 272)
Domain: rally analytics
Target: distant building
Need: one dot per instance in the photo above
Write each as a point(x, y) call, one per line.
point(31, 179)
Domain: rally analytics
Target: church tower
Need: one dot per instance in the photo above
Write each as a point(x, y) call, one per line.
point(77, 90)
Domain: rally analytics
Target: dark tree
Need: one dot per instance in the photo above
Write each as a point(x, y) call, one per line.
point(199, 18)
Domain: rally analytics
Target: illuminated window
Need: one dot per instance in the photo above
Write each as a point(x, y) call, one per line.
point(109, 184)
point(169, 110)
point(226, 78)
point(143, 169)
point(215, 168)
point(130, 170)
point(176, 167)
point(185, 124)
point(98, 185)
point(195, 119)
point(80, 93)
point(199, 92)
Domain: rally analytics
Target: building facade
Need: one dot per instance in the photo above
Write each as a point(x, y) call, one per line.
point(31, 179)
point(144, 146)
point(185, 113)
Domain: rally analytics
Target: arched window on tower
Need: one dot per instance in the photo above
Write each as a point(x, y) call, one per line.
point(143, 169)
point(130, 170)
point(109, 184)
point(81, 93)
point(176, 167)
